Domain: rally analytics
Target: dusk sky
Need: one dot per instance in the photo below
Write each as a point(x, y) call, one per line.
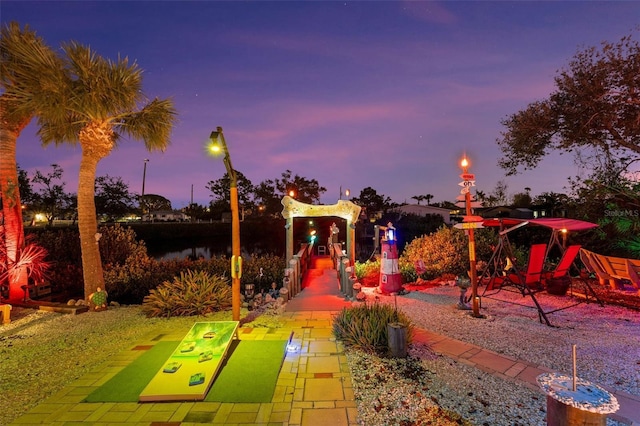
point(387, 95)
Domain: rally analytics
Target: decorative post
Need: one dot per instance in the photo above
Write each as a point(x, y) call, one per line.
point(468, 181)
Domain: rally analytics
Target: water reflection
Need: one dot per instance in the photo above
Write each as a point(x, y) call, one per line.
point(201, 252)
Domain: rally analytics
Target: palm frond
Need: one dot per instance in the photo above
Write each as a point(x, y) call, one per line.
point(30, 72)
point(153, 124)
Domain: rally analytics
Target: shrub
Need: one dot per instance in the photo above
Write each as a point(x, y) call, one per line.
point(365, 326)
point(192, 293)
point(368, 273)
point(443, 252)
point(119, 244)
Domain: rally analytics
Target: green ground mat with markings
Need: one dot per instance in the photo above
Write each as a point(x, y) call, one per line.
point(249, 374)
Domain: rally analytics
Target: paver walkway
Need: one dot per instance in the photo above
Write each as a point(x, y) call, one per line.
point(314, 387)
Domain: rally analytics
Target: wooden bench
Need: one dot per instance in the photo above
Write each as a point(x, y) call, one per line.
point(5, 311)
point(34, 291)
point(612, 269)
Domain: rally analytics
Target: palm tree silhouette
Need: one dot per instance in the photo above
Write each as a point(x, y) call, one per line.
point(99, 102)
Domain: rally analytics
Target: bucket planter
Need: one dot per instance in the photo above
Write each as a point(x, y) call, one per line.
point(558, 286)
point(397, 333)
point(587, 405)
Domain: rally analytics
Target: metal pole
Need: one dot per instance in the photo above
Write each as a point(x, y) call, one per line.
point(235, 226)
point(144, 178)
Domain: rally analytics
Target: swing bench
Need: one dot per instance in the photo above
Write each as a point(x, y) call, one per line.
point(534, 279)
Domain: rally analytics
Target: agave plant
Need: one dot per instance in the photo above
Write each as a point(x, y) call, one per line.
point(191, 293)
point(29, 259)
point(365, 326)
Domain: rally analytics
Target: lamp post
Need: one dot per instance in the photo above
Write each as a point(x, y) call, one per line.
point(144, 178)
point(219, 143)
point(468, 180)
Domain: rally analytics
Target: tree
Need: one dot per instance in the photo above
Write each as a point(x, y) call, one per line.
point(500, 193)
point(266, 199)
point(596, 106)
point(418, 198)
point(556, 204)
point(113, 199)
point(27, 196)
point(98, 103)
point(26, 65)
point(428, 197)
point(221, 193)
point(306, 190)
point(51, 199)
point(372, 202)
point(196, 212)
point(155, 202)
point(521, 200)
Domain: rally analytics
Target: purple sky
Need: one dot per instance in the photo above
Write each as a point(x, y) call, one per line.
point(387, 95)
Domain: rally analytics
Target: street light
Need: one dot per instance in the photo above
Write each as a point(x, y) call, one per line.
point(218, 144)
point(144, 178)
point(468, 179)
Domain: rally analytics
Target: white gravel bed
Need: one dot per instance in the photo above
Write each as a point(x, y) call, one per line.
point(608, 354)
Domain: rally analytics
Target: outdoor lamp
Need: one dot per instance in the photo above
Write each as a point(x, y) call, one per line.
point(390, 233)
point(218, 144)
point(464, 164)
point(249, 291)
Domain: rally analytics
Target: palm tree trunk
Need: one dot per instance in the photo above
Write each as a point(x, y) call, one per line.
point(96, 142)
point(11, 206)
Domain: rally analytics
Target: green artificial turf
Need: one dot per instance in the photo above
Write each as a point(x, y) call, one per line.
point(249, 374)
point(128, 383)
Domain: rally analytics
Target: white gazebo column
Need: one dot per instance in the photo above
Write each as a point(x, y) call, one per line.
point(351, 243)
point(289, 239)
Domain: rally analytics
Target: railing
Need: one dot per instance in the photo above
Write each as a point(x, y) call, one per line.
point(297, 267)
point(346, 272)
point(301, 262)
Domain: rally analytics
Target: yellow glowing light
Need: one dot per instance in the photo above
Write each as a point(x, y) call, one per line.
point(464, 163)
point(292, 193)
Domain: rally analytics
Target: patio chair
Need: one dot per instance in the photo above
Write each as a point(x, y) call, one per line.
point(558, 281)
point(532, 278)
point(593, 266)
point(562, 269)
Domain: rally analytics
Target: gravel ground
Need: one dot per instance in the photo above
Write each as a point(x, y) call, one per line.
point(608, 353)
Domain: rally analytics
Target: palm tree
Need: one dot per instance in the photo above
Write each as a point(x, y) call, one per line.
point(418, 198)
point(26, 66)
point(101, 102)
point(428, 197)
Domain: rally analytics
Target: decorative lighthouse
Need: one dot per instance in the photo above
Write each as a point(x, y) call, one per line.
point(390, 277)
